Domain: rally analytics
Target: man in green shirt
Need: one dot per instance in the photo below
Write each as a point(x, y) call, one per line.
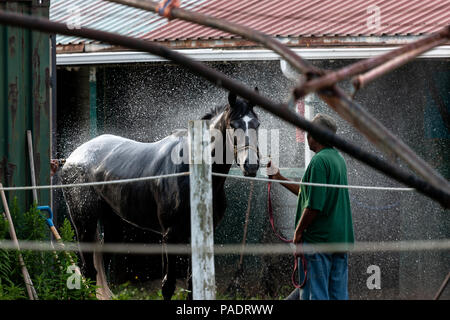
point(323, 216)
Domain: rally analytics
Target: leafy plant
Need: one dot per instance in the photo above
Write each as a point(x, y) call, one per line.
point(48, 270)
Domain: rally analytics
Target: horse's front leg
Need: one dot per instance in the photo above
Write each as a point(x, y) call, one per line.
point(169, 281)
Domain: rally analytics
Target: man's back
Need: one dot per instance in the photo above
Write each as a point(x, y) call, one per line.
point(333, 223)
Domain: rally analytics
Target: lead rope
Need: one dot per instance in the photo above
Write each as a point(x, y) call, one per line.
point(298, 252)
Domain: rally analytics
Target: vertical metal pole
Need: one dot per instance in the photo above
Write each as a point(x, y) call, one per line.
point(202, 233)
point(309, 114)
point(31, 157)
point(53, 122)
point(93, 102)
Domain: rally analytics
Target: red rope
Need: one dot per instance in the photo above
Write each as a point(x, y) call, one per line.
point(165, 7)
point(298, 252)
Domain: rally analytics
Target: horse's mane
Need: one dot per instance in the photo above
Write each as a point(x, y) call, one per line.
point(213, 112)
point(234, 113)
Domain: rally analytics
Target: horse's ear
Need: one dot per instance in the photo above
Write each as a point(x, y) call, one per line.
point(231, 98)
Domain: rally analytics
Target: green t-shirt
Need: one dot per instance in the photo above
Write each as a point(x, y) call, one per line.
point(333, 224)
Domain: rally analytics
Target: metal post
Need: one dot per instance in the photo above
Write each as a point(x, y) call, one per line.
point(32, 172)
point(309, 114)
point(93, 102)
point(202, 228)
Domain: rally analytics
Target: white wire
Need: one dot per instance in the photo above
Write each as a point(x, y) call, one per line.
point(313, 184)
point(87, 184)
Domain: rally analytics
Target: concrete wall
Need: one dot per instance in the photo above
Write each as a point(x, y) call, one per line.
point(148, 102)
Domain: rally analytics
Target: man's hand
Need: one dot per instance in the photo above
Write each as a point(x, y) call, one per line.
point(306, 219)
point(297, 237)
point(274, 173)
point(272, 170)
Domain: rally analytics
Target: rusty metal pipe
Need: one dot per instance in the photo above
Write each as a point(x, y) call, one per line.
point(442, 287)
point(441, 195)
point(362, 80)
point(295, 60)
point(379, 135)
point(336, 98)
point(362, 66)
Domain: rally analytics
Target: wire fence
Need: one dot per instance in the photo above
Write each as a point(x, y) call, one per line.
point(97, 183)
point(225, 249)
point(119, 181)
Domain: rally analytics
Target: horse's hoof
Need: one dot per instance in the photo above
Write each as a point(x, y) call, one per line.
point(167, 289)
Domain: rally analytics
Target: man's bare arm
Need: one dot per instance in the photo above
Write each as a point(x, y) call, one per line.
point(294, 188)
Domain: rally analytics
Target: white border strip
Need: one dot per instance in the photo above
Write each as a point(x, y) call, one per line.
point(64, 59)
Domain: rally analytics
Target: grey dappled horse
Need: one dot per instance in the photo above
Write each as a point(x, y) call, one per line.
point(161, 206)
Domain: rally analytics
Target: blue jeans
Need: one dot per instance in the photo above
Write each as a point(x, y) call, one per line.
point(327, 277)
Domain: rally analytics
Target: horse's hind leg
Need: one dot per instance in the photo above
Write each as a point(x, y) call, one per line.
point(84, 205)
point(103, 290)
point(169, 281)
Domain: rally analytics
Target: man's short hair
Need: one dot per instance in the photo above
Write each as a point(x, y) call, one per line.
point(326, 122)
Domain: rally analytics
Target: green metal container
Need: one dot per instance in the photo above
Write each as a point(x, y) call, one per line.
point(25, 99)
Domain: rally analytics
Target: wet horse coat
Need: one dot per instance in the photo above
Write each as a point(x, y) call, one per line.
point(160, 206)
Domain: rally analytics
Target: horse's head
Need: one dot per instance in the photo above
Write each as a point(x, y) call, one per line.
point(242, 134)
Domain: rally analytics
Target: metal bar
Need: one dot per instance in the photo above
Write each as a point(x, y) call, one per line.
point(379, 135)
point(362, 80)
point(441, 289)
point(32, 172)
point(298, 62)
point(53, 122)
point(202, 226)
point(332, 78)
point(32, 295)
point(335, 97)
point(93, 102)
point(440, 194)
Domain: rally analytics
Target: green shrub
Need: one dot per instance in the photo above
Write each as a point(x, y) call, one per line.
point(48, 270)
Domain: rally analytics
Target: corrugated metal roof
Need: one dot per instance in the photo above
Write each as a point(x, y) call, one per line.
point(300, 18)
point(108, 16)
point(283, 18)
